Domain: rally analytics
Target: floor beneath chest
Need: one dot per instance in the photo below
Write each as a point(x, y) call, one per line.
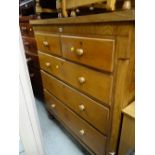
point(56, 139)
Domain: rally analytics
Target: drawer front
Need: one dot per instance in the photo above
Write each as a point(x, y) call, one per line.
point(49, 43)
point(26, 29)
point(78, 102)
point(32, 61)
point(91, 82)
point(30, 45)
point(87, 134)
point(51, 65)
point(94, 52)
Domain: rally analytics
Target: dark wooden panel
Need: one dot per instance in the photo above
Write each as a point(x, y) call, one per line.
point(32, 61)
point(30, 45)
point(26, 29)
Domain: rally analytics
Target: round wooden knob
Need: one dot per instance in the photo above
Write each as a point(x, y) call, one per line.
point(47, 64)
point(82, 107)
point(28, 60)
point(45, 43)
point(53, 105)
point(26, 43)
point(32, 75)
point(79, 52)
point(81, 80)
point(24, 28)
point(60, 29)
point(82, 132)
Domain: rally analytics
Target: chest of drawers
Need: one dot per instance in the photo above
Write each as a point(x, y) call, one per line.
point(87, 70)
point(31, 54)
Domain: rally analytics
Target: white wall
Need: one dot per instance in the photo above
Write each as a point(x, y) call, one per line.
point(29, 127)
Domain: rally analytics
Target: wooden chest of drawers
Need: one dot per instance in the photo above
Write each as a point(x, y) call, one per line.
point(31, 53)
point(87, 72)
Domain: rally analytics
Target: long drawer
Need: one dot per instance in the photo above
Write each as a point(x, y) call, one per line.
point(96, 114)
point(87, 134)
point(95, 52)
point(89, 81)
point(48, 43)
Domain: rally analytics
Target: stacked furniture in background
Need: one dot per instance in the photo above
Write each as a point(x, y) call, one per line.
point(87, 69)
point(31, 55)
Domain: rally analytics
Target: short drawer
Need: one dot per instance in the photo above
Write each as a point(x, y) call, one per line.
point(94, 52)
point(97, 115)
point(30, 45)
point(87, 134)
point(51, 64)
point(26, 29)
point(48, 43)
point(32, 61)
point(91, 82)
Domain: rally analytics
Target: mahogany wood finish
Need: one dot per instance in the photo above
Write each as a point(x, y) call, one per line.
point(26, 29)
point(31, 54)
point(30, 45)
point(85, 132)
point(91, 78)
point(32, 61)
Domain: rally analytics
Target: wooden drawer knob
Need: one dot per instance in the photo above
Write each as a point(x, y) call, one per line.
point(79, 51)
point(24, 28)
point(26, 43)
point(53, 105)
point(81, 80)
point(82, 132)
point(28, 60)
point(82, 107)
point(45, 43)
point(60, 29)
point(47, 64)
point(32, 75)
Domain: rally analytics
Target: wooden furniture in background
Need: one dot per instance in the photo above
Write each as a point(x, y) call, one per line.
point(31, 53)
point(127, 141)
point(72, 4)
point(46, 8)
point(87, 68)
